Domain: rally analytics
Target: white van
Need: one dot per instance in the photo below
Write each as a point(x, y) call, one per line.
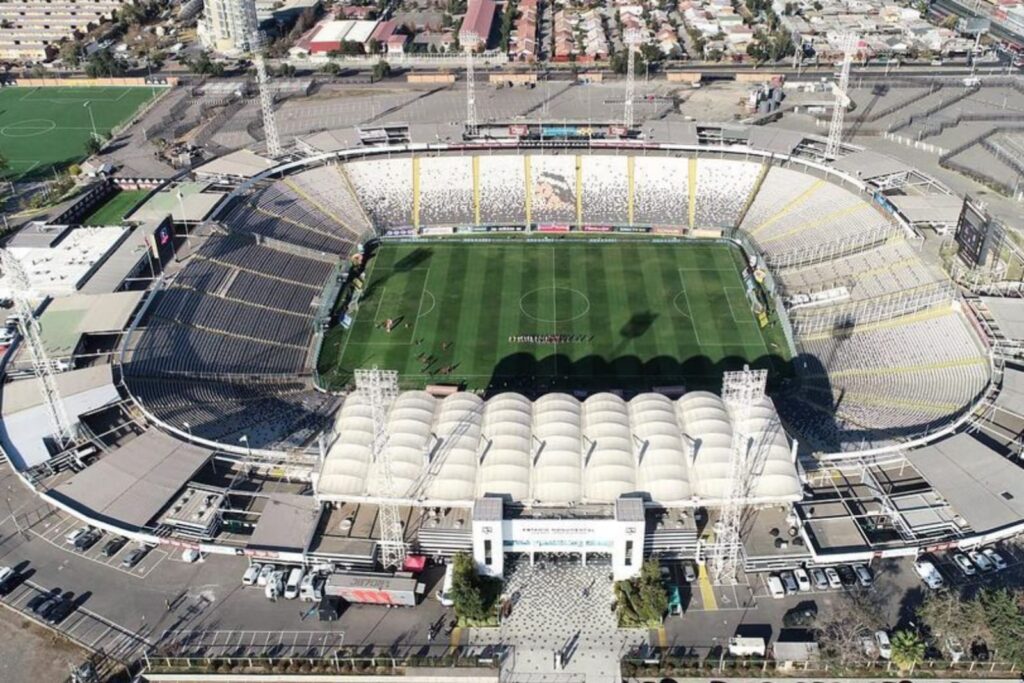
point(746, 647)
point(775, 587)
point(291, 589)
point(275, 585)
point(444, 595)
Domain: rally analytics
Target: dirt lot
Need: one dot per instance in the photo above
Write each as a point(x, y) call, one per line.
point(30, 652)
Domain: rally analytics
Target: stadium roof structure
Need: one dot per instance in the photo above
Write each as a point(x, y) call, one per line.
point(556, 451)
point(242, 164)
point(25, 419)
point(1008, 314)
point(983, 486)
point(939, 209)
point(135, 482)
point(56, 267)
point(866, 165)
point(183, 201)
point(286, 524)
point(67, 318)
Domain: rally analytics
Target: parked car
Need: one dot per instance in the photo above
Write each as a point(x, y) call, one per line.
point(251, 574)
point(884, 646)
point(291, 587)
point(995, 558)
point(775, 587)
point(819, 579)
point(113, 546)
point(803, 582)
point(689, 573)
point(275, 585)
point(7, 577)
point(41, 604)
point(801, 616)
point(846, 575)
point(954, 649)
point(87, 540)
point(312, 587)
point(979, 651)
point(980, 561)
point(864, 575)
point(329, 608)
point(929, 574)
point(72, 536)
point(789, 581)
point(134, 556)
point(190, 555)
point(61, 610)
point(265, 573)
point(964, 564)
point(833, 577)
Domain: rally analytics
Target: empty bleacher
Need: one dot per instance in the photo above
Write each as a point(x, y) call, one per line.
point(605, 190)
point(723, 188)
point(384, 188)
point(446, 191)
point(660, 190)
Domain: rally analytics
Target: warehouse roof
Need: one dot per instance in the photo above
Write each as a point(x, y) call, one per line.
point(556, 450)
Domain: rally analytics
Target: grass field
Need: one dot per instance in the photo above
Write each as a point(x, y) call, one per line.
point(46, 128)
point(113, 211)
point(637, 315)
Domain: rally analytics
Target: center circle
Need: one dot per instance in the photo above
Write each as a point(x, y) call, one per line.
point(28, 128)
point(553, 305)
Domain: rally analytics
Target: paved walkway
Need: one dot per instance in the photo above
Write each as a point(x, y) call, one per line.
point(566, 612)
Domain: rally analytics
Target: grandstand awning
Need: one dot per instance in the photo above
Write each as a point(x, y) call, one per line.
point(134, 483)
point(286, 524)
point(1008, 314)
point(185, 202)
point(1011, 394)
point(930, 208)
point(982, 486)
point(67, 318)
point(242, 164)
point(776, 140)
point(867, 165)
point(26, 421)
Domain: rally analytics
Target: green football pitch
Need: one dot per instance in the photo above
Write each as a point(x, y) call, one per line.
point(559, 315)
point(46, 128)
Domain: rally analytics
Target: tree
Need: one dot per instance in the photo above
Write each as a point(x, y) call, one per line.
point(205, 66)
point(4, 164)
point(946, 615)
point(331, 68)
point(71, 53)
point(381, 70)
point(1005, 622)
point(465, 594)
point(907, 649)
point(93, 145)
point(840, 630)
point(373, 46)
point(102, 64)
point(642, 601)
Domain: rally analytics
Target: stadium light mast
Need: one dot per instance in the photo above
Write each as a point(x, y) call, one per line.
point(848, 43)
point(633, 38)
point(45, 369)
point(380, 389)
point(266, 99)
point(740, 391)
point(471, 123)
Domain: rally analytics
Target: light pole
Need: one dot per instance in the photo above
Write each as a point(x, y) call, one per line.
point(92, 121)
point(14, 517)
point(248, 450)
point(184, 222)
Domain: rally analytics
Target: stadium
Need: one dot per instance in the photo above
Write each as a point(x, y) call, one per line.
point(582, 331)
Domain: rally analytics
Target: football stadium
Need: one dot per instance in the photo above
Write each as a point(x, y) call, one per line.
point(593, 349)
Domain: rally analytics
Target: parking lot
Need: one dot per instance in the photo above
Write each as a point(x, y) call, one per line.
point(56, 531)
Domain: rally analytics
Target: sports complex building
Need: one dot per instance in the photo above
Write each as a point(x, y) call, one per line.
point(212, 384)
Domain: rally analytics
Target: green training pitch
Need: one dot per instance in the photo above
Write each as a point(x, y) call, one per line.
point(42, 129)
point(632, 315)
point(113, 211)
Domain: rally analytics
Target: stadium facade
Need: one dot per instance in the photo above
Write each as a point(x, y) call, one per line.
point(223, 355)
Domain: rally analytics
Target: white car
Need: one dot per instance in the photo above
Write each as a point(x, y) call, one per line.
point(775, 588)
point(73, 536)
point(275, 586)
point(251, 574)
point(884, 647)
point(265, 573)
point(291, 588)
point(819, 578)
point(995, 558)
point(190, 555)
point(964, 564)
point(983, 563)
point(803, 582)
point(833, 577)
point(929, 574)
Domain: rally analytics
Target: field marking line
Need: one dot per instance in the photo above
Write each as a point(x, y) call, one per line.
point(686, 297)
point(423, 289)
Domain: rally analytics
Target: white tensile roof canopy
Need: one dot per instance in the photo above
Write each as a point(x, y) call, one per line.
point(557, 450)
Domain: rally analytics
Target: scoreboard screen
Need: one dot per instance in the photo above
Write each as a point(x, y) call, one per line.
point(973, 234)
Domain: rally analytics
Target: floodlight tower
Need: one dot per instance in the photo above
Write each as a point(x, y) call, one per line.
point(740, 391)
point(266, 99)
point(835, 130)
point(45, 369)
point(471, 124)
point(380, 388)
point(632, 37)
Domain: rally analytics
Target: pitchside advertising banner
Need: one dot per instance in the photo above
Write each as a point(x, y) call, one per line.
point(492, 228)
point(552, 227)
